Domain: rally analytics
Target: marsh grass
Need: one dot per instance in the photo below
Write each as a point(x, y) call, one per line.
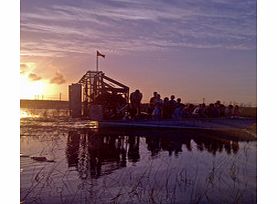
point(143, 187)
point(191, 176)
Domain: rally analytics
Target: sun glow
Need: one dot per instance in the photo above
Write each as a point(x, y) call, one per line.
point(30, 89)
point(34, 85)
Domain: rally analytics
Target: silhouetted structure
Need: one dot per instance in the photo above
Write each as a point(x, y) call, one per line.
point(110, 95)
point(75, 100)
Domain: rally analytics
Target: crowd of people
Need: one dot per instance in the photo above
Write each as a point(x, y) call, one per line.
point(171, 108)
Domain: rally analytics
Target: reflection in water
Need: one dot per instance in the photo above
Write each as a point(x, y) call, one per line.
point(72, 151)
point(214, 146)
point(94, 155)
point(99, 153)
point(133, 151)
point(43, 113)
point(174, 144)
point(132, 165)
point(27, 114)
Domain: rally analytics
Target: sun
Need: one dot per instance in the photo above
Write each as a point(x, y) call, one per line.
point(31, 89)
point(34, 86)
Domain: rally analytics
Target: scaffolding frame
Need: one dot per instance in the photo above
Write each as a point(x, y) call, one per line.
point(96, 83)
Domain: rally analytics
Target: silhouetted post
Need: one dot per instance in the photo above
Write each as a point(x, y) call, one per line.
point(97, 61)
point(203, 100)
point(98, 54)
point(60, 96)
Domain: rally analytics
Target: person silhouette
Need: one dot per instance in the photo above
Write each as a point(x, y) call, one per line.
point(135, 99)
point(172, 105)
point(152, 102)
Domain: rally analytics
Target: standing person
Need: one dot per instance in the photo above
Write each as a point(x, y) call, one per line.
point(156, 114)
point(172, 105)
point(166, 109)
point(236, 111)
point(203, 110)
point(196, 111)
point(135, 99)
point(152, 102)
point(230, 111)
point(222, 110)
point(217, 106)
point(159, 100)
point(178, 112)
point(211, 110)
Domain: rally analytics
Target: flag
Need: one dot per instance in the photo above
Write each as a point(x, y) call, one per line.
point(99, 54)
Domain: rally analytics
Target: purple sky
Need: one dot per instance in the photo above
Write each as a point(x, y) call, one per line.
point(190, 48)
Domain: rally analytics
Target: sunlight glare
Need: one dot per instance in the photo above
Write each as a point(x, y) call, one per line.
point(27, 114)
point(29, 89)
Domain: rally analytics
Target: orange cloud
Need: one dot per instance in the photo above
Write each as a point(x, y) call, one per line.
point(23, 68)
point(34, 77)
point(57, 79)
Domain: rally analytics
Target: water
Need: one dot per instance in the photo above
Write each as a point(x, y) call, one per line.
point(131, 166)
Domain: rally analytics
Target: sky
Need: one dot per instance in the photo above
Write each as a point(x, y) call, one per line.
point(193, 49)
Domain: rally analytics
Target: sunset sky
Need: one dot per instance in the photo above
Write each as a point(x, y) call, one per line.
point(194, 49)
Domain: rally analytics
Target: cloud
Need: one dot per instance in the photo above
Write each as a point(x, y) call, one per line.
point(23, 68)
point(58, 29)
point(34, 77)
point(57, 79)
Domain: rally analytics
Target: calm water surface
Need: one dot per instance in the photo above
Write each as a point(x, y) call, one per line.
point(89, 165)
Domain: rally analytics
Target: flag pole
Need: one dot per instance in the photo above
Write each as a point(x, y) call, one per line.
point(96, 62)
